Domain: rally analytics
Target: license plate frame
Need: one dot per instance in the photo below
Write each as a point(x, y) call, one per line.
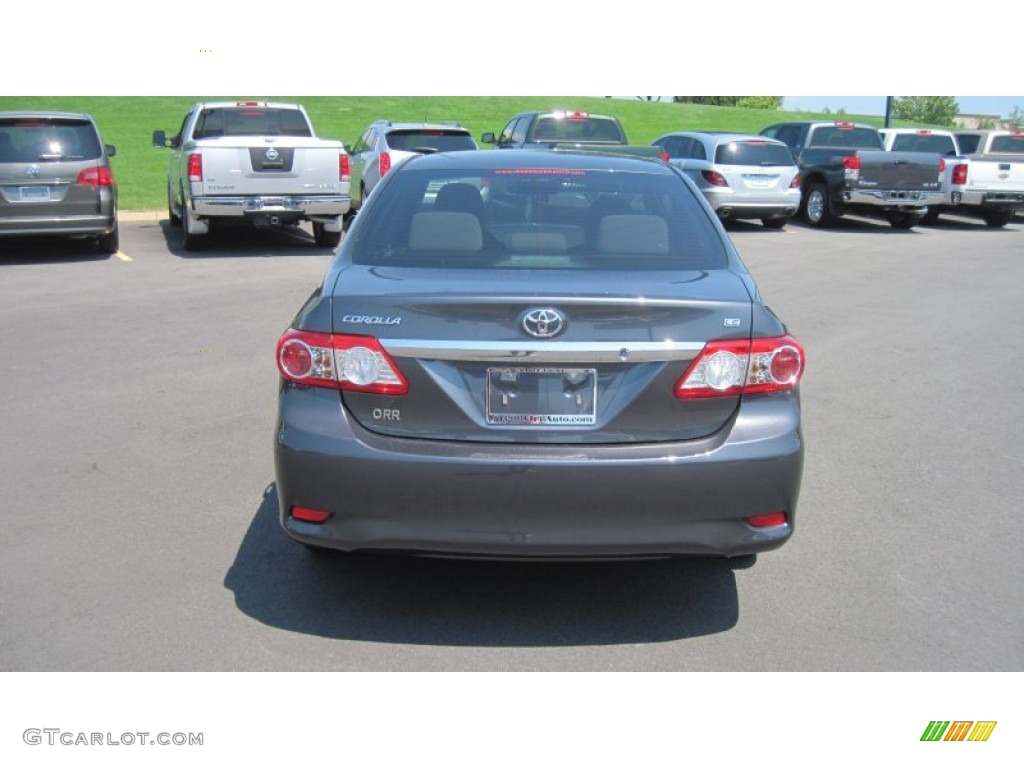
point(34, 194)
point(541, 396)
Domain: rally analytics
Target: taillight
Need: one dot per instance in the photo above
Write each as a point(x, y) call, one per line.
point(743, 367)
point(195, 167)
point(96, 177)
point(344, 168)
point(942, 164)
point(385, 162)
point(770, 520)
point(851, 167)
point(663, 155)
point(795, 183)
point(960, 173)
point(338, 361)
point(714, 178)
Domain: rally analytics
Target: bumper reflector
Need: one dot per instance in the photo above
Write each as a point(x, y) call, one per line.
point(308, 515)
point(767, 521)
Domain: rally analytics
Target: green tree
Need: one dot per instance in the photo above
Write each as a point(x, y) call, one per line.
point(749, 102)
point(1016, 118)
point(934, 110)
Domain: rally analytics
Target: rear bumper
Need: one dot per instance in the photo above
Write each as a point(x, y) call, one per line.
point(892, 198)
point(496, 500)
point(730, 204)
point(99, 224)
point(1008, 200)
point(308, 206)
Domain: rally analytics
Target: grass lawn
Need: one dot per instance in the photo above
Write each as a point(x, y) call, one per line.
point(128, 122)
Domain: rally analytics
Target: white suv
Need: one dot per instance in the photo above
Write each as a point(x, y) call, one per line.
point(384, 144)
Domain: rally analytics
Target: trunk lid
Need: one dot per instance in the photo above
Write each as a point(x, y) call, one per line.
point(463, 341)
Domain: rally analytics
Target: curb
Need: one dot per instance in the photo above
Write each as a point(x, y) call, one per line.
point(141, 215)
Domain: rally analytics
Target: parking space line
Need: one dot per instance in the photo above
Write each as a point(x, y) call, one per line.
point(123, 256)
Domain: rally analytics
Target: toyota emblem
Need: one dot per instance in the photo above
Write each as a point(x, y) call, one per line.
point(544, 323)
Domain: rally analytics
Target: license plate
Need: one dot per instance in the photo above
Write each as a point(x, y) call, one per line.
point(761, 182)
point(542, 397)
point(34, 194)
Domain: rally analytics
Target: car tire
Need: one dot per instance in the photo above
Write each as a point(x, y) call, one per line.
point(900, 220)
point(931, 217)
point(997, 218)
point(325, 238)
point(818, 207)
point(173, 217)
point(110, 242)
point(190, 240)
point(776, 222)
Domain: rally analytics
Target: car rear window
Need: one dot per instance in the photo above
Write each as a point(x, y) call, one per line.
point(250, 121)
point(537, 218)
point(753, 153)
point(915, 142)
point(41, 139)
point(569, 127)
point(847, 138)
point(438, 140)
point(1012, 144)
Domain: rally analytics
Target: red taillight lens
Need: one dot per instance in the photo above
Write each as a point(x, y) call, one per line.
point(762, 521)
point(795, 183)
point(663, 156)
point(385, 162)
point(338, 361)
point(942, 164)
point(96, 177)
point(195, 167)
point(960, 173)
point(743, 367)
point(851, 162)
point(344, 168)
point(714, 178)
point(310, 515)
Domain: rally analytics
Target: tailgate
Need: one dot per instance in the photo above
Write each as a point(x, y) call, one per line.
point(271, 168)
point(899, 170)
point(1002, 173)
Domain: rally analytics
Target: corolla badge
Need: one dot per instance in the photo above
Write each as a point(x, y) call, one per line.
point(544, 323)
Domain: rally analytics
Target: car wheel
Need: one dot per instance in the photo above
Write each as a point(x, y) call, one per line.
point(997, 218)
point(110, 242)
point(173, 217)
point(931, 217)
point(900, 220)
point(324, 238)
point(817, 207)
point(191, 240)
point(777, 222)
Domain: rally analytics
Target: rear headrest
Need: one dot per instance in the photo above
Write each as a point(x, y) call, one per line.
point(632, 233)
point(459, 197)
point(445, 231)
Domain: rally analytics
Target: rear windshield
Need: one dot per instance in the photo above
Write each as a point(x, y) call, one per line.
point(537, 218)
point(438, 140)
point(847, 138)
point(1012, 144)
point(968, 143)
point(913, 142)
point(753, 153)
point(250, 121)
point(590, 129)
point(35, 140)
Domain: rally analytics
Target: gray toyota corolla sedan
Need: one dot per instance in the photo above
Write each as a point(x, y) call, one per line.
point(538, 354)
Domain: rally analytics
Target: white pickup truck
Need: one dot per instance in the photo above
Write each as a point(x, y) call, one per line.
point(984, 178)
point(256, 162)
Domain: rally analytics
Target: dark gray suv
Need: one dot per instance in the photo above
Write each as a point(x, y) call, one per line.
point(55, 178)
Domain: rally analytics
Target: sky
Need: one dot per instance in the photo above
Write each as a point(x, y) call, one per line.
point(875, 105)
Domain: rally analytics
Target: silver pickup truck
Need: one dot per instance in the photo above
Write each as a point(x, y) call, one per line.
point(255, 162)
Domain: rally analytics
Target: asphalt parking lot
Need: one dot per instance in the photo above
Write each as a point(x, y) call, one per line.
point(137, 410)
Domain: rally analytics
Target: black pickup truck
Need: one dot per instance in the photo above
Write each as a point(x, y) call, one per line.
point(571, 130)
point(845, 169)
